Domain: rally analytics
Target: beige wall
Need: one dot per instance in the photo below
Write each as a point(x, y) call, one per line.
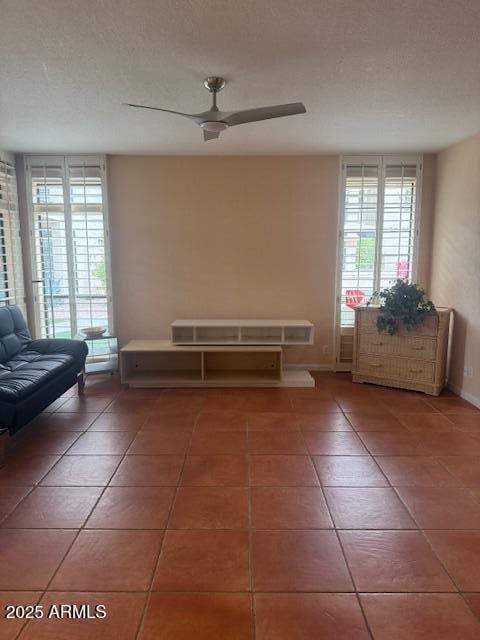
point(224, 236)
point(231, 237)
point(455, 268)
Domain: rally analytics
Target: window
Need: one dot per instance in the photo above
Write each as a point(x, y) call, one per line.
point(70, 244)
point(378, 229)
point(11, 269)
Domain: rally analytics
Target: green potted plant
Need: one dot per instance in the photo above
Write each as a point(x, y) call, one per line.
point(403, 304)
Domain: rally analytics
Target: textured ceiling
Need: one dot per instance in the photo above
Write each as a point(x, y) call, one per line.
point(374, 74)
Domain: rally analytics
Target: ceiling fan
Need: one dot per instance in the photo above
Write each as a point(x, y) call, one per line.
point(214, 121)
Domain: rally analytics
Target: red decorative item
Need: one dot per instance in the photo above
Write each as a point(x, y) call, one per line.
point(402, 269)
point(354, 297)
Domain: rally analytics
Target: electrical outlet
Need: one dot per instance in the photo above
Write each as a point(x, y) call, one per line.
point(325, 349)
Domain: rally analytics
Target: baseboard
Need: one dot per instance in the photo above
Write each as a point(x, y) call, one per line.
point(309, 367)
point(464, 394)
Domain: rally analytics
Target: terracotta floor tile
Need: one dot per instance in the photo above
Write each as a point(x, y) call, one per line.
point(258, 404)
point(64, 421)
point(85, 404)
point(315, 405)
point(309, 616)
point(172, 441)
point(208, 442)
point(118, 422)
point(465, 468)
point(276, 442)
point(124, 611)
point(426, 422)
point(389, 561)
point(289, 508)
point(10, 627)
point(371, 508)
point(298, 561)
point(203, 561)
point(215, 470)
point(365, 405)
point(132, 508)
point(25, 471)
point(442, 507)
point(272, 421)
point(391, 444)
point(420, 471)
point(102, 443)
point(349, 471)
point(400, 403)
point(54, 508)
point(466, 421)
point(82, 471)
point(444, 444)
point(41, 444)
point(473, 601)
point(334, 443)
point(197, 616)
point(282, 470)
point(459, 552)
point(419, 617)
point(30, 557)
point(10, 497)
point(452, 405)
point(109, 561)
point(381, 422)
point(175, 420)
point(148, 471)
point(135, 405)
point(225, 402)
point(221, 421)
point(323, 422)
point(210, 508)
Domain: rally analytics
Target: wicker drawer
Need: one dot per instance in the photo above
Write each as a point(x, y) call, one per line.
point(396, 368)
point(368, 322)
point(421, 348)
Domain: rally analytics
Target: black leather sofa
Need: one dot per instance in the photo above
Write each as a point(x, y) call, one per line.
point(33, 373)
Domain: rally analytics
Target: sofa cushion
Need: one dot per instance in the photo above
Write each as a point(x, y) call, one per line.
point(21, 375)
point(14, 334)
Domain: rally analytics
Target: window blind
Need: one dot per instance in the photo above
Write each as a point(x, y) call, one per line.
point(11, 267)
point(70, 248)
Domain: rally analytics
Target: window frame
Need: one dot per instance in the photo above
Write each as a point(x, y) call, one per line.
point(381, 160)
point(11, 237)
point(65, 162)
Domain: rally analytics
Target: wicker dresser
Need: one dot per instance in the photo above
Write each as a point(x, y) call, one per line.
point(414, 359)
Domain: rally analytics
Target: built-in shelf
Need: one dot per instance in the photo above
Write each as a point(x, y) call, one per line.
point(159, 363)
point(231, 332)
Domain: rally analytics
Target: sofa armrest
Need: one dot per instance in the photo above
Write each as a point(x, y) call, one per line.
point(76, 348)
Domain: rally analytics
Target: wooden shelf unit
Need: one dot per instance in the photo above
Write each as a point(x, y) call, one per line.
point(159, 363)
point(239, 332)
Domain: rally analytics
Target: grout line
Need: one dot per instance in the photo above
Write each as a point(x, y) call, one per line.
point(162, 544)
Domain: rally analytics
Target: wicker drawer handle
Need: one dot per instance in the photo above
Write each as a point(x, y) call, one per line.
point(418, 348)
point(377, 344)
point(416, 370)
point(376, 364)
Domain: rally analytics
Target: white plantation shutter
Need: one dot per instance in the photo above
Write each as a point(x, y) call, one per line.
point(378, 233)
point(71, 251)
point(398, 228)
point(11, 268)
point(358, 236)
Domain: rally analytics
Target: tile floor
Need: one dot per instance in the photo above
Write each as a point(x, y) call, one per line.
point(344, 512)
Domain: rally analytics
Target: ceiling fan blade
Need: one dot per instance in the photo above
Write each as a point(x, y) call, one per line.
point(210, 135)
point(194, 117)
point(264, 113)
